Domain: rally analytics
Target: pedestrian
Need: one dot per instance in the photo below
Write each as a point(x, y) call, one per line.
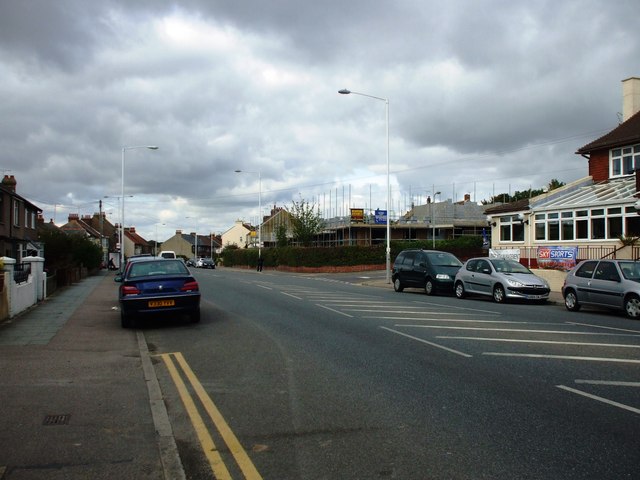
point(260, 263)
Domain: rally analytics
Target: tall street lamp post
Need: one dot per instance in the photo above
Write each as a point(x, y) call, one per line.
point(433, 223)
point(124, 149)
point(259, 209)
point(345, 91)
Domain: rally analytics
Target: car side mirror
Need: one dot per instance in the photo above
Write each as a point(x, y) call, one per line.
point(117, 278)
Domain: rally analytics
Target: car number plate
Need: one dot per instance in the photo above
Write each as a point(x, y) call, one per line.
point(161, 303)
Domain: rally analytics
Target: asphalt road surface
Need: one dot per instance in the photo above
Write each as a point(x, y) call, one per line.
point(313, 377)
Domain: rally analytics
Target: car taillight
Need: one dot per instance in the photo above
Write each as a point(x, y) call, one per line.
point(190, 286)
point(130, 290)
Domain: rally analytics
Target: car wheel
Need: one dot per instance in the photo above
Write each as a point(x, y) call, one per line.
point(632, 306)
point(429, 287)
point(460, 293)
point(498, 294)
point(571, 301)
point(397, 285)
point(195, 316)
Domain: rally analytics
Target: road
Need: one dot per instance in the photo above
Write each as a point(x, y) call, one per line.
point(313, 377)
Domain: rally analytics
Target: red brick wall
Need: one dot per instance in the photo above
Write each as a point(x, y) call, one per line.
point(599, 165)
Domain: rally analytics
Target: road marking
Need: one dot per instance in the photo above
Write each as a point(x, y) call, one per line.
point(599, 399)
point(263, 286)
point(428, 343)
point(515, 330)
point(602, 326)
point(551, 342)
point(242, 459)
point(290, 295)
point(335, 311)
point(610, 383)
point(458, 308)
point(563, 357)
point(206, 442)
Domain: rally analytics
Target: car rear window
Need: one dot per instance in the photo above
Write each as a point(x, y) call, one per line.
point(161, 267)
point(442, 259)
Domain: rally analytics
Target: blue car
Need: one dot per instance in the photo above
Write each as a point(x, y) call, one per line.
point(153, 286)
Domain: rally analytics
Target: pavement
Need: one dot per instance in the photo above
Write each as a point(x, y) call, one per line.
point(79, 395)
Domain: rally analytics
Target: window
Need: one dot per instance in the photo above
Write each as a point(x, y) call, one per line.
point(511, 229)
point(16, 213)
point(607, 271)
point(586, 270)
point(623, 161)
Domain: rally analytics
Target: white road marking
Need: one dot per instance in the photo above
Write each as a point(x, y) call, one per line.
point(335, 311)
point(562, 357)
point(515, 330)
point(428, 343)
point(599, 399)
point(602, 326)
point(611, 383)
point(552, 342)
point(291, 295)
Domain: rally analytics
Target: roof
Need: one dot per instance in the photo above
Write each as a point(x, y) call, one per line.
point(616, 191)
point(134, 237)
point(624, 134)
point(517, 206)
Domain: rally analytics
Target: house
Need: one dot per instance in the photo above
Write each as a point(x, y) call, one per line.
point(595, 214)
point(240, 235)
point(185, 245)
point(134, 244)
point(278, 219)
point(18, 222)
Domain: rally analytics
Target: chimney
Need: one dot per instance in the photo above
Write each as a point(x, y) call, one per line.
point(178, 232)
point(630, 97)
point(73, 216)
point(132, 229)
point(467, 197)
point(9, 182)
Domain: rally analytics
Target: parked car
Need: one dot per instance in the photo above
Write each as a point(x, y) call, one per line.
point(432, 270)
point(501, 279)
point(604, 283)
point(168, 254)
point(150, 286)
point(191, 262)
point(205, 263)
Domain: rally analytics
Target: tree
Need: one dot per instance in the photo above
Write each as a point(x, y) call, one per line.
point(507, 198)
point(62, 250)
point(281, 235)
point(306, 222)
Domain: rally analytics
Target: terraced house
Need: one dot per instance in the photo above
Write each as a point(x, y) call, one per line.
point(18, 222)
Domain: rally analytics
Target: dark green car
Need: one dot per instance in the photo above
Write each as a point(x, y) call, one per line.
point(432, 270)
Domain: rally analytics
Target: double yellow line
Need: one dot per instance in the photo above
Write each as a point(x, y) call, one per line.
point(220, 470)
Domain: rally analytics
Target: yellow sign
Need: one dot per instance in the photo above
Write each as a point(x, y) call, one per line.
point(357, 215)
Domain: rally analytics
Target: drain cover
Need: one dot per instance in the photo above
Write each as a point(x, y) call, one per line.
point(56, 419)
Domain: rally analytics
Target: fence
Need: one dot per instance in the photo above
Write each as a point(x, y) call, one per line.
point(24, 285)
point(529, 255)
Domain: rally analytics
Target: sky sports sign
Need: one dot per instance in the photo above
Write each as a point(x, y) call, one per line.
point(557, 258)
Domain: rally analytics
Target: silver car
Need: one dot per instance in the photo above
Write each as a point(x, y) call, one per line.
point(501, 279)
point(604, 283)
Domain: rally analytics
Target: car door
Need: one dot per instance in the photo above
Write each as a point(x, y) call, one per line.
point(582, 279)
point(482, 277)
point(418, 270)
point(605, 287)
point(405, 268)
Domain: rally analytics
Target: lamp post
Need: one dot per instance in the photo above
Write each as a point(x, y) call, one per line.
point(124, 149)
point(345, 91)
point(433, 224)
point(259, 209)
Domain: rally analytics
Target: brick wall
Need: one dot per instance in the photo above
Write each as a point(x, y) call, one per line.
point(599, 165)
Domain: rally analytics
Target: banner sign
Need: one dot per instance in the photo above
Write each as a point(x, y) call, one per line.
point(381, 216)
point(357, 215)
point(557, 258)
point(508, 253)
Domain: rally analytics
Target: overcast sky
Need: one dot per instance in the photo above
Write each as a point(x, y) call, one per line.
point(484, 97)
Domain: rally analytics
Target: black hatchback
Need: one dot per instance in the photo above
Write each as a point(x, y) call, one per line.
point(432, 270)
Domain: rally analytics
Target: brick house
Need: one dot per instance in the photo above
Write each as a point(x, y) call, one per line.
point(595, 213)
point(18, 222)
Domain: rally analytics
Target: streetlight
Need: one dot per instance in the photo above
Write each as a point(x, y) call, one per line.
point(433, 225)
point(345, 91)
point(259, 209)
point(124, 149)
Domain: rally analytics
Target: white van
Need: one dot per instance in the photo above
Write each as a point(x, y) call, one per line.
point(168, 254)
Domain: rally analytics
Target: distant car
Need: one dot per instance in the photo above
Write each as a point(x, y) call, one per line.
point(191, 262)
point(432, 270)
point(168, 254)
point(151, 286)
point(501, 279)
point(205, 263)
point(604, 283)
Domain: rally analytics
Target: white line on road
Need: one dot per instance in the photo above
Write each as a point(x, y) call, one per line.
point(609, 383)
point(563, 357)
point(335, 311)
point(514, 330)
point(291, 295)
point(428, 343)
point(551, 342)
point(599, 399)
point(602, 326)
